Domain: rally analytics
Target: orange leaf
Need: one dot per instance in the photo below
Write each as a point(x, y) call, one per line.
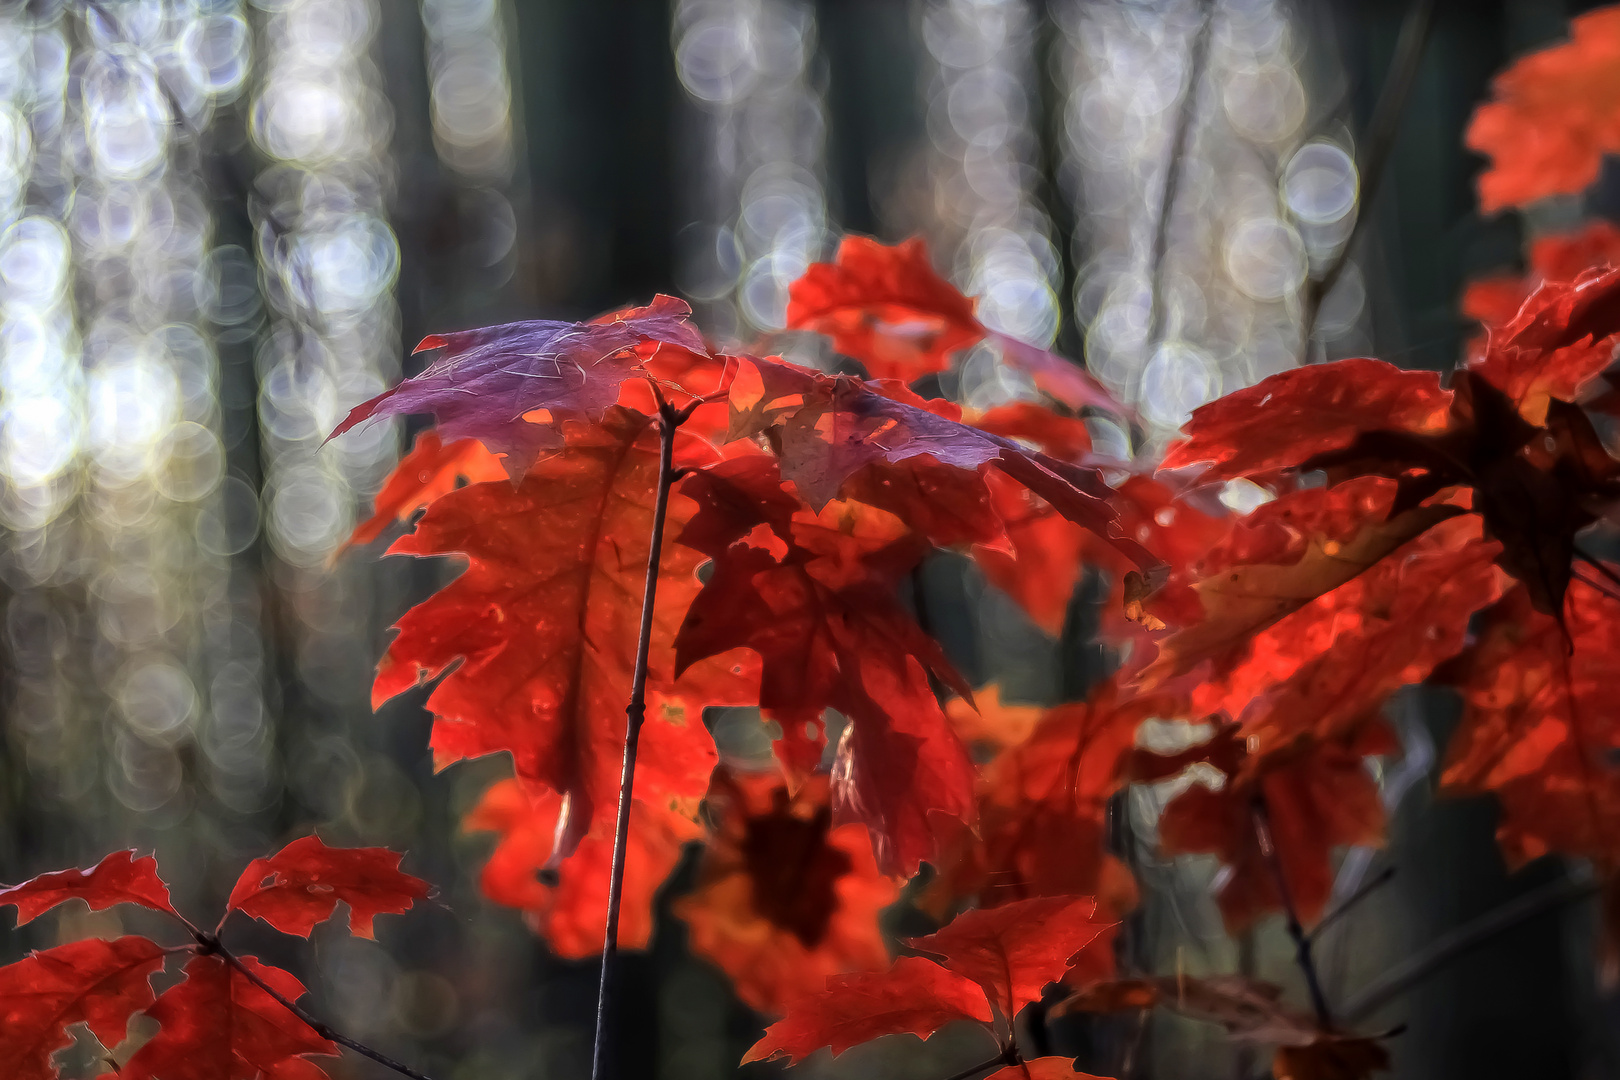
point(1556, 113)
point(886, 307)
point(784, 899)
point(427, 472)
point(1041, 1068)
point(1282, 556)
point(565, 901)
point(993, 723)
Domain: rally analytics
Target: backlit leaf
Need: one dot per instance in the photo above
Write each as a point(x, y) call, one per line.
point(301, 885)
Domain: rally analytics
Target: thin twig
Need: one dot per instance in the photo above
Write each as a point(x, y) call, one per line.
point(1597, 564)
point(669, 418)
point(1376, 147)
point(1402, 977)
point(211, 944)
point(1302, 940)
point(1197, 60)
point(1366, 890)
point(1008, 1056)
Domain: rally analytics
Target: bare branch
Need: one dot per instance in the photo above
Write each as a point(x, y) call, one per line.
point(1008, 1056)
point(1402, 977)
point(1377, 144)
point(1366, 890)
point(1302, 940)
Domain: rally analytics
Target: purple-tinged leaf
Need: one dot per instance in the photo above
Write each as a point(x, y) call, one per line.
point(829, 428)
point(511, 386)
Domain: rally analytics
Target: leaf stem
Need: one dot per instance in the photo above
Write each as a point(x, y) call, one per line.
point(211, 945)
point(669, 418)
point(1302, 940)
point(1379, 143)
point(1448, 947)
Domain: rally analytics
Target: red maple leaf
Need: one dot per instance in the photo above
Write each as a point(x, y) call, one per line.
point(120, 878)
point(96, 982)
point(1562, 338)
point(216, 1024)
point(887, 307)
point(1287, 418)
point(915, 996)
point(827, 429)
point(1276, 560)
point(430, 470)
point(1016, 950)
point(1556, 113)
point(512, 387)
point(566, 902)
point(784, 898)
point(1534, 467)
point(301, 885)
point(1004, 958)
point(1332, 663)
point(816, 603)
point(540, 630)
point(1538, 728)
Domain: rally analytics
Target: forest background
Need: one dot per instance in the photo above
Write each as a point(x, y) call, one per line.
point(188, 668)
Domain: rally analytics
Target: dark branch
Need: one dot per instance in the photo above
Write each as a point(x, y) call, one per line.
point(1366, 890)
point(669, 418)
point(1197, 60)
point(1302, 940)
point(1008, 1056)
point(1377, 144)
point(211, 944)
point(1401, 978)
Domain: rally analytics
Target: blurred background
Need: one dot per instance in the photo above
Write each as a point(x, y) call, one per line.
point(224, 222)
